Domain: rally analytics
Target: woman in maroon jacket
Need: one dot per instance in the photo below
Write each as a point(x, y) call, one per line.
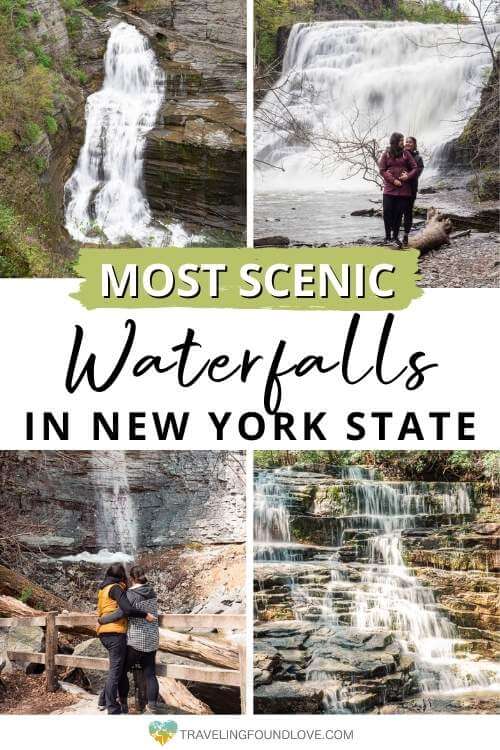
point(398, 168)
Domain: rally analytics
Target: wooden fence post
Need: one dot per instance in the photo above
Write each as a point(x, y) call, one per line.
point(50, 652)
point(243, 676)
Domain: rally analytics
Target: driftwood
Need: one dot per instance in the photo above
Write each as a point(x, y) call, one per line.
point(15, 584)
point(217, 653)
point(177, 696)
point(434, 234)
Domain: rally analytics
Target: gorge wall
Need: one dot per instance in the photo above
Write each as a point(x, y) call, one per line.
point(178, 498)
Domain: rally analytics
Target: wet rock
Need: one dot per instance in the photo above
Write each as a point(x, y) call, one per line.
point(50, 544)
point(273, 241)
point(289, 697)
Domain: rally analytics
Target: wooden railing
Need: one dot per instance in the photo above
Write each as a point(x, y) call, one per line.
point(52, 621)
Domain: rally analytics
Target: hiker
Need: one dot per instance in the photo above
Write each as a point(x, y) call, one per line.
point(411, 146)
point(398, 168)
point(142, 635)
point(112, 598)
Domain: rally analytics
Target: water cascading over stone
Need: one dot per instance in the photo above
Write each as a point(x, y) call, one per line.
point(104, 198)
point(383, 76)
point(354, 610)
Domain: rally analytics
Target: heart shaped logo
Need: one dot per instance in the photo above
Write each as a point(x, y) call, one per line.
point(162, 731)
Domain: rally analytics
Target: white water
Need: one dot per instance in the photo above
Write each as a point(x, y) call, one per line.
point(103, 557)
point(116, 517)
point(388, 596)
point(379, 69)
point(105, 203)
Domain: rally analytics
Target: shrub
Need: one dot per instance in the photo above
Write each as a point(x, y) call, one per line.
point(32, 132)
point(42, 57)
point(40, 164)
point(73, 24)
point(6, 143)
point(36, 17)
point(51, 125)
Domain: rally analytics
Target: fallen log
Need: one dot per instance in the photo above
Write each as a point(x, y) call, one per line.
point(217, 653)
point(11, 607)
point(434, 234)
point(177, 696)
point(15, 584)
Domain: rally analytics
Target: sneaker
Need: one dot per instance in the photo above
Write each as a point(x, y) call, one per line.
point(124, 708)
point(386, 241)
point(405, 240)
point(398, 244)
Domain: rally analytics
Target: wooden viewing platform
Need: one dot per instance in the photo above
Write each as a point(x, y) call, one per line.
point(217, 675)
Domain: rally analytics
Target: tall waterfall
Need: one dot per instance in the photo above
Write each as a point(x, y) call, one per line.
point(104, 199)
point(361, 583)
point(116, 519)
point(376, 77)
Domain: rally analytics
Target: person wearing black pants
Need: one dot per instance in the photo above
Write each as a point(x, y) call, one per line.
point(411, 146)
point(394, 208)
point(397, 168)
point(113, 609)
point(142, 638)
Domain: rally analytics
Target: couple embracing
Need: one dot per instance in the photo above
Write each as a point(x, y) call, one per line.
point(128, 629)
point(400, 167)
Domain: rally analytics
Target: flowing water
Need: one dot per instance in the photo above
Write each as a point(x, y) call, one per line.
point(366, 77)
point(104, 197)
point(116, 517)
point(374, 590)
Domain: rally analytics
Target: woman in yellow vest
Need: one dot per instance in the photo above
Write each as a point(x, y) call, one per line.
point(113, 636)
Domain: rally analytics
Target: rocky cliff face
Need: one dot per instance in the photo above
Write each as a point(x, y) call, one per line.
point(174, 498)
point(195, 158)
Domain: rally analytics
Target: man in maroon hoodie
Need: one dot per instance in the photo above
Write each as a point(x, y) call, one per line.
point(398, 168)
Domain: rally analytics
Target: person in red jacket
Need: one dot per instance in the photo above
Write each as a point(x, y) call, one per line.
point(397, 168)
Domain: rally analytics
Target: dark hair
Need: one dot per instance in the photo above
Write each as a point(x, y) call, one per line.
point(394, 142)
point(117, 571)
point(413, 139)
point(138, 574)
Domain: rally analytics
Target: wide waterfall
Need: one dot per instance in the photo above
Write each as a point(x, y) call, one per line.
point(364, 611)
point(367, 77)
point(105, 202)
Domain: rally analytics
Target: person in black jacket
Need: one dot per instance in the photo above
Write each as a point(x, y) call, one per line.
point(411, 146)
point(142, 635)
point(112, 598)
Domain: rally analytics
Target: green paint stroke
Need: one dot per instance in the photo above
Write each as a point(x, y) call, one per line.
point(403, 280)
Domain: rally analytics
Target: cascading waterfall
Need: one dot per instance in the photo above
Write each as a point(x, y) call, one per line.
point(104, 198)
point(376, 592)
point(389, 596)
point(385, 75)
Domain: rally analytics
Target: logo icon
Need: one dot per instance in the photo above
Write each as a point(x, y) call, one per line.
point(162, 731)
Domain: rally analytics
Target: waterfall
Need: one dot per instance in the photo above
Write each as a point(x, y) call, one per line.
point(385, 76)
point(371, 590)
point(104, 196)
point(116, 520)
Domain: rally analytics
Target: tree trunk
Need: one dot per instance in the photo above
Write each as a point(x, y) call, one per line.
point(217, 653)
point(15, 584)
point(10, 607)
point(177, 696)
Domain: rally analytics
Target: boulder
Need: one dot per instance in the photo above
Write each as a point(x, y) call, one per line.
point(25, 638)
point(289, 698)
point(93, 648)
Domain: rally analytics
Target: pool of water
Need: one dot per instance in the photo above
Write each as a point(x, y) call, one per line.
point(317, 217)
